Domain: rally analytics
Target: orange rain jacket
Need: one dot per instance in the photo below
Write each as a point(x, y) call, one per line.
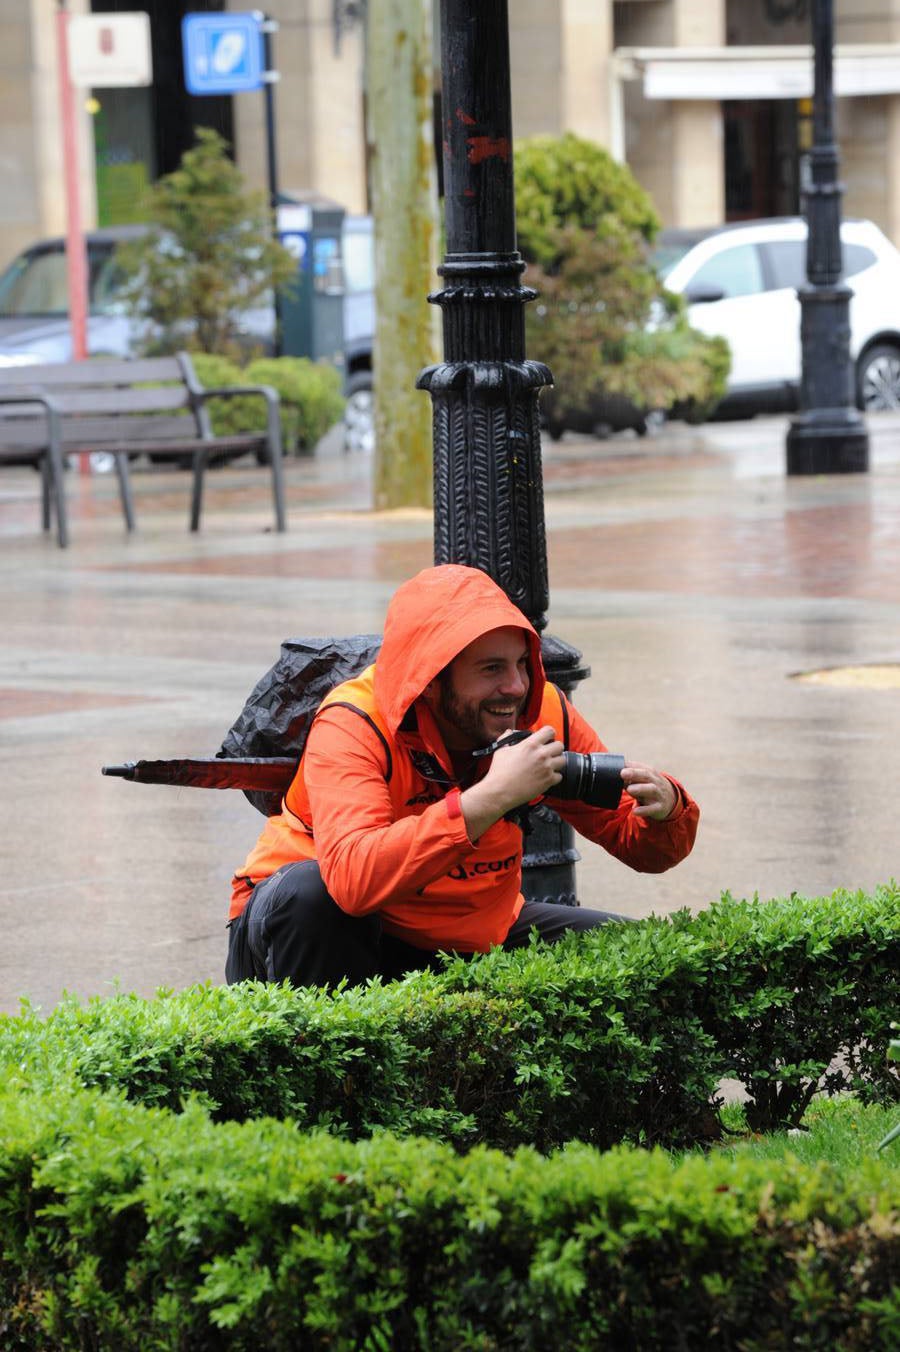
point(375, 799)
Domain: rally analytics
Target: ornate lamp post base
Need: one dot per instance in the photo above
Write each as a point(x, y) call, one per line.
point(827, 441)
point(548, 863)
point(828, 435)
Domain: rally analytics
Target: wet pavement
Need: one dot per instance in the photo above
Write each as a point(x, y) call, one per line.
point(694, 576)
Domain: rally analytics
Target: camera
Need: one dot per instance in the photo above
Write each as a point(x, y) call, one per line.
point(593, 777)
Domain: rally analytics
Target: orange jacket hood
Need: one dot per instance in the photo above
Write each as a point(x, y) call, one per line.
point(430, 619)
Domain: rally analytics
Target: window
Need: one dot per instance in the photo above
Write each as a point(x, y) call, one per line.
point(787, 261)
point(857, 258)
point(663, 257)
point(737, 272)
point(36, 284)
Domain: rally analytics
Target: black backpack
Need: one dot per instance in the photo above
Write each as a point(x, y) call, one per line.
point(279, 711)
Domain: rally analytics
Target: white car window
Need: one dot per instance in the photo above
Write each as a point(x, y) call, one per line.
point(787, 261)
point(737, 272)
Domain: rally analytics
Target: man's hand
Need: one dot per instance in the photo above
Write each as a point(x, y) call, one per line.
point(517, 774)
point(654, 794)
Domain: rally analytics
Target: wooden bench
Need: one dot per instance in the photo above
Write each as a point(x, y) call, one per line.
point(154, 406)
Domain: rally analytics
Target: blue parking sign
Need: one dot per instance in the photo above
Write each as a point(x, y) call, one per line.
point(223, 53)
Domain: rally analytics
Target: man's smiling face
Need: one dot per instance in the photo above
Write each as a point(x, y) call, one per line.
point(484, 690)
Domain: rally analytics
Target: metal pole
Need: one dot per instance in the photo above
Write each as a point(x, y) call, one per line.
point(828, 435)
point(76, 252)
point(270, 79)
point(488, 489)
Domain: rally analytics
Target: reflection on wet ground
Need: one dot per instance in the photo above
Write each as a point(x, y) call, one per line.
point(695, 578)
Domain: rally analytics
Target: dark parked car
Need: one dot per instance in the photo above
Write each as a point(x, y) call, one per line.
point(34, 304)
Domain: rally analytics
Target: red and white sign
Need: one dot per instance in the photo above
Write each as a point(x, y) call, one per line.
point(110, 50)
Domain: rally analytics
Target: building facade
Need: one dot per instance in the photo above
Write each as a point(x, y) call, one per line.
point(708, 101)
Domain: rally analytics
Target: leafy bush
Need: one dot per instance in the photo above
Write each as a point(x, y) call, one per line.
point(500, 1066)
point(309, 395)
point(566, 182)
point(603, 322)
point(132, 1226)
point(228, 417)
point(128, 1228)
point(791, 1002)
point(619, 1034)
point(209, 257)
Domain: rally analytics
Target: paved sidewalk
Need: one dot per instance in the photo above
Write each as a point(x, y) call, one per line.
point(697, 580)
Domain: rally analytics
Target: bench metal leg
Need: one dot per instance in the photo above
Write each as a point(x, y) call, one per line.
point(197, 489)
point(56, 475)
point(46, 490)
point(124, 477)
point(278, 483)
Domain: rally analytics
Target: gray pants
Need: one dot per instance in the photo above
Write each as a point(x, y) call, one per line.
point(292, 930)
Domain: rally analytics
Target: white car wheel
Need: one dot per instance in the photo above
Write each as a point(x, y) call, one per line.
point(879, 378)
point(359, 414)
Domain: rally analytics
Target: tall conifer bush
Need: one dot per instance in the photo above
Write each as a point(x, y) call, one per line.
point(209, 256)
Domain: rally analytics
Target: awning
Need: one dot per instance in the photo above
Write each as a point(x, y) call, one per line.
point(698, 73)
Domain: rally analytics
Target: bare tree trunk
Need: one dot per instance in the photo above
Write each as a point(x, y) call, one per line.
point(404, 197)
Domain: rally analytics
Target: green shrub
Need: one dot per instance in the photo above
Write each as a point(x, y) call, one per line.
point(619, 1034)
point(228, 417)
point(209, 257)
point(569, 182)
point(310, 399)
point(505, 1065)
point(310, 393)
point(800, 995)
point(132, 1228)
point(603, 322)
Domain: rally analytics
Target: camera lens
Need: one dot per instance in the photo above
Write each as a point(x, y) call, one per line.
point(594, 778)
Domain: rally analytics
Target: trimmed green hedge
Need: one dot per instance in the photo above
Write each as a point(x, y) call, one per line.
point(309, 394)
point(131, 1229)
point(618, 1035)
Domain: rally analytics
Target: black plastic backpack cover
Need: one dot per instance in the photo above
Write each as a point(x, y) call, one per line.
point(279, 711)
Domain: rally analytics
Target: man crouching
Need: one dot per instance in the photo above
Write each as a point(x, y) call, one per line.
point(394, 841)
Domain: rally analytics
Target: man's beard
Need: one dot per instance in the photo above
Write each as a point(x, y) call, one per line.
point(467, 717)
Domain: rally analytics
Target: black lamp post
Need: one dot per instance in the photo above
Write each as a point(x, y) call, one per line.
point(828, 435)
point(488, 489)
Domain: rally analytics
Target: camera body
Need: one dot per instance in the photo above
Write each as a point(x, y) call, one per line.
point(593, 777)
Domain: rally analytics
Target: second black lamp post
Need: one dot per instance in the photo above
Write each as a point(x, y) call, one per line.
point(828, 435)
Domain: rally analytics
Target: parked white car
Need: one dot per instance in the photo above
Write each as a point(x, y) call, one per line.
point(741, 280)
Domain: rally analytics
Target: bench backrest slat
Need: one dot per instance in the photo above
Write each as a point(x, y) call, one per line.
point(102, 402)
point(94, 372)
point(98, 432)
point(95, 432)
point(152, 399)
